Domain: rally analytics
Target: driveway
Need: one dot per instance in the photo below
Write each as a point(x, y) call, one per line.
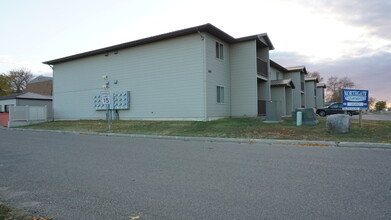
point(70, 176)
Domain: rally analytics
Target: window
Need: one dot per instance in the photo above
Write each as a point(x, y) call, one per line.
point(336, 106)
point(220, 94)
point(219, 51)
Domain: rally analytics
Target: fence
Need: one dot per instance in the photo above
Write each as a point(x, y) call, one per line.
point(25, 115)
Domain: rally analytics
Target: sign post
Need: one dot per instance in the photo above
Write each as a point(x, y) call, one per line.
point(355, 100)
point(105, 95)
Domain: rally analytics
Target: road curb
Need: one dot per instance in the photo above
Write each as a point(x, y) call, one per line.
point(364, 145)
point(231, 140)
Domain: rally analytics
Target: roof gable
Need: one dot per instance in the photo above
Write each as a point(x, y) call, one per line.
point(322, 85)
point(297, 68)
point(316, 79)
point(283, 82)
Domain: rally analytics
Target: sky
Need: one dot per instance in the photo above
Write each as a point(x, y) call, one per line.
point(339, 38)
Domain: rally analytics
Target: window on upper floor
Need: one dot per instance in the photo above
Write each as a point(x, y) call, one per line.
point(219, 51)
point(220, 94)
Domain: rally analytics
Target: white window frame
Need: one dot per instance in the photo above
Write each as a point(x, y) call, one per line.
point(219, 47)
point(220, 94)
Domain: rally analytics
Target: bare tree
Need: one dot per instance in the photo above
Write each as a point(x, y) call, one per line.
point(371, 101)
point(334, 87)
point(18, 79)
point(315, 74)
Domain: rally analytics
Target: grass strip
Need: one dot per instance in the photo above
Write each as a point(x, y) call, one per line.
point(255, 128)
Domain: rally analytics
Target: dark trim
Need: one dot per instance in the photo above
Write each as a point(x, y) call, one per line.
point(16, 96)
point(48, 99)
point(297, 68)
point(11, 96)
point(321, 85)
point(202, 28)
point(316, 79)
point(263, 40)
point(284, 82)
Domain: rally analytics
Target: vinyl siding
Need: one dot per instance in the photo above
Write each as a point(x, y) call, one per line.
point(278, 94)
point(3, 103)
point(296, 92)
point(243, 79)
point(217, 74)
point(263, 54)
point(165, 80)
point(319, 97)
point(289, 100)
point(310, 98)
point(273, 73)
point(263, 90)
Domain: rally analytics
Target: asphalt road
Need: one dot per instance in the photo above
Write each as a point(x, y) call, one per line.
point(70, 176)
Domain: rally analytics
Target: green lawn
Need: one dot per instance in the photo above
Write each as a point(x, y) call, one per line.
point(372, 131)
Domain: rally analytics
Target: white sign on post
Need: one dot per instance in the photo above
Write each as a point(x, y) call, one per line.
point(105, 97)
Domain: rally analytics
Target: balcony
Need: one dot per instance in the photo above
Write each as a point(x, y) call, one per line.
point(262, 68)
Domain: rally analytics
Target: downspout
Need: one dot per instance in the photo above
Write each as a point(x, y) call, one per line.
point(268, 78)
point(52, 108)
point(204, 75)
point(204, 72)
point(52, 67)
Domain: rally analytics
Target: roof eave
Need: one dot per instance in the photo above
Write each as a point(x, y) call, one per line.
point(267, 39)
point(206, 28)
point(261, 39)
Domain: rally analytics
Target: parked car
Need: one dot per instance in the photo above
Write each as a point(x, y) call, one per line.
point(335, 108)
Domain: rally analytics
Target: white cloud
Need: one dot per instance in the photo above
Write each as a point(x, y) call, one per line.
point(8, 63)
point(321, 33)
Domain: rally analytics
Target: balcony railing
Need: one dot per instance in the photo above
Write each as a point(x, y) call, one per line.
point(262, 67)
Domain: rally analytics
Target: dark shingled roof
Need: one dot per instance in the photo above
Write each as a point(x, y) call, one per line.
point(297, 68)
point(26, 95)
point(261, 39)
point(316, 79)
point(321, 85)
point(283, 82)
point(10, 96)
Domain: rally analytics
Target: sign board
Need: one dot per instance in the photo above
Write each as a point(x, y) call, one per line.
point(105, 96)
point(353, 99)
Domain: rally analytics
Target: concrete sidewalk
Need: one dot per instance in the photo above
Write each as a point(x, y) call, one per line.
point(232, 140)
